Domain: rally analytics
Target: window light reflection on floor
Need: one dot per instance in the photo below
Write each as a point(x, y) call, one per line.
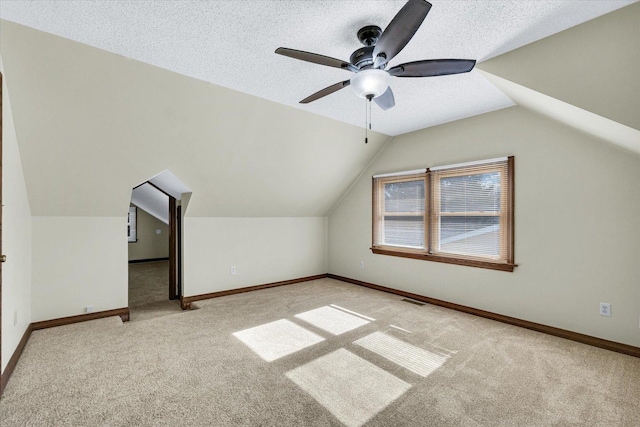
point(274, 340)
point(351, 388)
point(332, 320)
point(415, 359)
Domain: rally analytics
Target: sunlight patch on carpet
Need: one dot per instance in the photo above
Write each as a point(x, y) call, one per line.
point(349, 387)
point(415, 359)
point(332, 320)
point(274, 340)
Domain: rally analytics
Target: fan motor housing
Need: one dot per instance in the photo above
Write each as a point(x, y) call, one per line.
point(363, 57)
point(368, 36)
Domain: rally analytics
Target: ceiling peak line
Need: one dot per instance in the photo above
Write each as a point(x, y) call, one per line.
point(605, 129)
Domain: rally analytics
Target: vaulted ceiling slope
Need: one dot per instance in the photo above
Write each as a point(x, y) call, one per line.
point(585, 77)
point(594, 66)
point(231, 43)
point(91, 125)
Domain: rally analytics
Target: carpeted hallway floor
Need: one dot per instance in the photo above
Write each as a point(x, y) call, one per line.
point(149, 291)
point(321, 353)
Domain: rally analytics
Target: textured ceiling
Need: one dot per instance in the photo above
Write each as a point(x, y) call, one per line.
point(231, 43)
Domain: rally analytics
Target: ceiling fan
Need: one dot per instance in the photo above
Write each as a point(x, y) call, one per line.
point(371, 80)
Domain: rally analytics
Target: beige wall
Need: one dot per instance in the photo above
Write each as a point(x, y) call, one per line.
point(150, 244)
point(16, 237)
point(77, 262)
point(246, 157)
point(263, 250)
point(121, 121)
point(577, 228)
point(81, 261)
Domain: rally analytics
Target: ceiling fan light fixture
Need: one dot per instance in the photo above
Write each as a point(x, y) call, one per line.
point(370, 83)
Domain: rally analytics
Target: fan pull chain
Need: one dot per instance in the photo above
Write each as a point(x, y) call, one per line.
point(367, 118)
point(366, 123)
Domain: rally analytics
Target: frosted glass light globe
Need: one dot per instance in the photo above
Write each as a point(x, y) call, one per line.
point(371, 82)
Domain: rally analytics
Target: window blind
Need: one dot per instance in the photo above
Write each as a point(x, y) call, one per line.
point(399, 210)
point(469, 210)
point(458, 214)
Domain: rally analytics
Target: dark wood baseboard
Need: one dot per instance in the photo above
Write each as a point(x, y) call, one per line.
point(122, 312)
point(135, 261)
point(185, 302)
point(562, 333)
point(4, 378)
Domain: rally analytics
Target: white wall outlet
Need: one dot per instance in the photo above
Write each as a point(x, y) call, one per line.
point(88, 309)
point(233, 269)
point(362, 265)
point(158, 231)
point(15, 317)
point(605, 309)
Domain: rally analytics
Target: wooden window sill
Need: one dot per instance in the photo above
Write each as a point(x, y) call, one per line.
point(445, 259)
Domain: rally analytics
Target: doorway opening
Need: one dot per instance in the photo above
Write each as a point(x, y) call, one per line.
point(155, 240)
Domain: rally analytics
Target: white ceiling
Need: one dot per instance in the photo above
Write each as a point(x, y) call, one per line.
point(232, 43)
point(170, 184)
point(152, 201)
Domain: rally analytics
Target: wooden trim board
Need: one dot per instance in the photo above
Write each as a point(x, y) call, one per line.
point(135, 261)
point(185, 302)
point(173, 290)
point(122, 312)
point(1, 174)
point(446, 259)
point(550, 330)
point(14, 358)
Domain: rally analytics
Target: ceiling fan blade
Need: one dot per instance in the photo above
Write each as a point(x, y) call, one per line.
point(386, 100)
point(315, 58)
point(433, 67)
point(326, 91)
point(400, 30)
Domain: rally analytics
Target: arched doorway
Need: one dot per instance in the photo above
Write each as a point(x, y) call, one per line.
point(155, 242)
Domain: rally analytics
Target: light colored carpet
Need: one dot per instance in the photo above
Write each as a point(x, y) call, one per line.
point(149, 291)
point(407, 365)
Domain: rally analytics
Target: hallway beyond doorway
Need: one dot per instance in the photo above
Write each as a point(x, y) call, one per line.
point(148, 282)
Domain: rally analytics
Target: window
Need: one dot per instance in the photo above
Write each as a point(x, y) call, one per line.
point(402, 215)
point(458, 214)
point(131, 225)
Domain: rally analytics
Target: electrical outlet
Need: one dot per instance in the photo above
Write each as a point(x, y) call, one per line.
point(605, 309)
point(362, 265)
point(89, 309)
point(15, 317)
point(233, 269)
point(158, 231)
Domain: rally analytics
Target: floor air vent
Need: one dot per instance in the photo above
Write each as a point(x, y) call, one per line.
point(413, 302)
